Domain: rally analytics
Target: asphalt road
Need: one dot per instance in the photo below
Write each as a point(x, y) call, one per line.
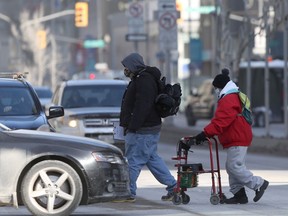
point(148, 203)
point(269, 162)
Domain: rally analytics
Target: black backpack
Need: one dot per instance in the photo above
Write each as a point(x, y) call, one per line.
point(168, 99)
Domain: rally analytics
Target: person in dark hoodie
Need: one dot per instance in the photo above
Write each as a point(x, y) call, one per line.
point(235, 135)
point(142, 124)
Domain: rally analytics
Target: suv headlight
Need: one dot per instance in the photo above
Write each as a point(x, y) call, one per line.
point(72, 123)
point(107, 157)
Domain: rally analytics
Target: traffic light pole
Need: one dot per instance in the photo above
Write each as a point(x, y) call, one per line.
point(47, 18)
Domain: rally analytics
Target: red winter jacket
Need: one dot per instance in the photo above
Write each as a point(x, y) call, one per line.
point(231, 128)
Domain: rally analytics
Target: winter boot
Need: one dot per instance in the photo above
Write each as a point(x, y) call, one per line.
point(259, 193)
point(239, 198)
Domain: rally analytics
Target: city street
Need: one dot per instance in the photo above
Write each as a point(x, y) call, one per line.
point(274, 202)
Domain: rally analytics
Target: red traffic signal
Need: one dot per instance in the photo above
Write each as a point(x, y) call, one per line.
point(81, 14)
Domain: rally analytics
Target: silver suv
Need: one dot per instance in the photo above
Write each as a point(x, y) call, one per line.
point(91, 108)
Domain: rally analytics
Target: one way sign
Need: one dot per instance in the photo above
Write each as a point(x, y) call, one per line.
point(166, 5)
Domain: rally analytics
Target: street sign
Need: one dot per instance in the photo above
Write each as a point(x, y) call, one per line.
point(136, 9)
point(166, 5)
point(135, 18)
point(93, 44)
point(136, 37)
point(167, 18)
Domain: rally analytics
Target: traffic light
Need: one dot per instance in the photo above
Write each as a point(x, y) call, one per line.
point(41, 39)
point(81, 14)
point(179, 8)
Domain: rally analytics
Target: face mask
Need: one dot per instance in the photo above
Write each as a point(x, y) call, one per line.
point(217, 92)
point(127, 72)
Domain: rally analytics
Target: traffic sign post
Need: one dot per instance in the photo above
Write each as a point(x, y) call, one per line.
point(167, 18)
point(136, 31)
point(168, 40)
point(168, 30)
point(136, 37)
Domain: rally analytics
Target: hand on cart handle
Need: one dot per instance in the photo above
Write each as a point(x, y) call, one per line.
point(187, 142)
point(200, 138)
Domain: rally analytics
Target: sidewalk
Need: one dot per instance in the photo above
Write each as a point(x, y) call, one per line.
point(274, 143)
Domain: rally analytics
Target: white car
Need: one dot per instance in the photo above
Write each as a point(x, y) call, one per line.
point(91, 108)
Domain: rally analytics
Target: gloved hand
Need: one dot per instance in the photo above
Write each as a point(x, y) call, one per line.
point(184, 145)
point(186, 142)
point(201, 137)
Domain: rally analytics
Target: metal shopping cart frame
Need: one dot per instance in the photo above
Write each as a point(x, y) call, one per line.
point(187, 174)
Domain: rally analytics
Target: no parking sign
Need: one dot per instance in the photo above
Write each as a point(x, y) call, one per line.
point(167, 24)
point(135, 18)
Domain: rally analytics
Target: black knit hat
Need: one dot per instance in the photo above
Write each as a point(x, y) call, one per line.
point(221, 79)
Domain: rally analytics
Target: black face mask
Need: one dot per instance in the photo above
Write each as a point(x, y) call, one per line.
point(127, 72)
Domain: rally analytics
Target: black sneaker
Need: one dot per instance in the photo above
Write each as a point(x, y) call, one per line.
point(236, 200)
point(129, 199)
point(259, 192)
point(168, 196)
point(239, 198)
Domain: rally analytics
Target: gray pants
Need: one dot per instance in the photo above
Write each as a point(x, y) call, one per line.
point(239, 175)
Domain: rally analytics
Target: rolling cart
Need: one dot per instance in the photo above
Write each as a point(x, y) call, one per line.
point(187, 174)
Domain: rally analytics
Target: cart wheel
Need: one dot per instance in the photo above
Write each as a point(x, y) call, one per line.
point(185, 199)
point(176, 200)
point(214, 199)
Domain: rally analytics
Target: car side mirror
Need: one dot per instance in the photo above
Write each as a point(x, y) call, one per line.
point(55, 111)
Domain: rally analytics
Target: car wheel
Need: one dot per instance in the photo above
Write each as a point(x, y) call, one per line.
point(51, 188)
point(191, 121)
point(260, 120)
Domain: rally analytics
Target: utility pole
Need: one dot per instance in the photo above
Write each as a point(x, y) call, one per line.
point(266, 73)
point(285, 104)
point(248, 74)
point(99, 29)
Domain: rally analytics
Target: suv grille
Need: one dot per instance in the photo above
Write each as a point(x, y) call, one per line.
point(96, 122)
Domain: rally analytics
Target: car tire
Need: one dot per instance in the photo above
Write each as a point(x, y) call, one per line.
point(191, 120)
point(51, 188)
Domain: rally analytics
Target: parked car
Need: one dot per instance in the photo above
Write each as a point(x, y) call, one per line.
point(91, 108)
point(51, 173)
point(44, 94)
point(20, 107)
point(200, 103)
point(259, 115)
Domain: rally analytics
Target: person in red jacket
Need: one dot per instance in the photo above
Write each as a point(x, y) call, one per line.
point(235, 135)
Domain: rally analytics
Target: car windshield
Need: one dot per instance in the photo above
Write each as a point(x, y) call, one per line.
point(93, 96)
point(43, 93)
point(16, 101)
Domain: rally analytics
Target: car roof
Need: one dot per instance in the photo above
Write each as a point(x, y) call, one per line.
point(96, 82)
point(11, 82)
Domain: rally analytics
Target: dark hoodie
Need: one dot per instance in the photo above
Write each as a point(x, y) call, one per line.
point(138, 111)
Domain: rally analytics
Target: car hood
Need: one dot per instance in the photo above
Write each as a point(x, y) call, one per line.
point(51, 138)
point(95, 111)
point(23, 122)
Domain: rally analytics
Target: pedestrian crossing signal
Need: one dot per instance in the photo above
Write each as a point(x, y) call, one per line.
point(81, 14)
